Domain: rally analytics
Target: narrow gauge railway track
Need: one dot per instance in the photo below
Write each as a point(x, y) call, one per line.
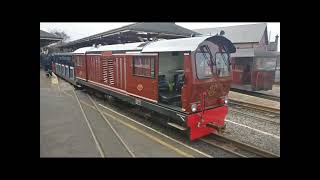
point(237, 148)
point(257, 107)
point(97, 142)
point(257, 94)
point(263, 119)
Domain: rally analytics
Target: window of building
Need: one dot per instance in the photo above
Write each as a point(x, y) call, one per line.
point(144, 66)
point(265, 63)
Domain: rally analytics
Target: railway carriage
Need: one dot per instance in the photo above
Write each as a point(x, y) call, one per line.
point(63, 66)
point(186, 79)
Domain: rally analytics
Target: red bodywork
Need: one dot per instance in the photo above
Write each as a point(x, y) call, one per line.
point(198, 122)
point(115, 72)
point(212, 110)
point(80, 66)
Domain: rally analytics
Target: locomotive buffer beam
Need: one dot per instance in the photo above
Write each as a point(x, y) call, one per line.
point(220, 129)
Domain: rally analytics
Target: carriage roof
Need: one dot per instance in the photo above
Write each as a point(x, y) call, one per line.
point(83, 50)
point(183, 44)
point(187, 44)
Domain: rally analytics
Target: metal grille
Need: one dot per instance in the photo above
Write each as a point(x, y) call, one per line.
point(105, 71)
point(110, 72)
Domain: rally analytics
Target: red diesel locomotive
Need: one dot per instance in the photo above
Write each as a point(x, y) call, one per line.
point(186, 79)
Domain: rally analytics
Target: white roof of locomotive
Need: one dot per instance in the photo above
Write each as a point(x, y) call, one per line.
point(183, 44)
point(83, 50)
point(120, 47)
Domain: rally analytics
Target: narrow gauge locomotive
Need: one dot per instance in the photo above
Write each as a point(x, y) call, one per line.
point(186, 79)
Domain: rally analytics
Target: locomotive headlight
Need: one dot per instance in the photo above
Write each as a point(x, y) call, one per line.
point(194, 107)
point(225, 100)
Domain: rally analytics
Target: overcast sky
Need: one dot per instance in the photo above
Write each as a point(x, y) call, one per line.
point(81, 30)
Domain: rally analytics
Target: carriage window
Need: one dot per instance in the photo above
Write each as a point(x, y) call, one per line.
point(71, 72)
point(144, 66)
point(222, 64)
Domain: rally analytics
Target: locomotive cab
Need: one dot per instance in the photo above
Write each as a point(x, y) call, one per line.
point(211, 77)
point(170, 78)
point(199, 69)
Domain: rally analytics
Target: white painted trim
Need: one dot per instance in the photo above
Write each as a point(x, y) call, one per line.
point(140, 54)
point(81, 78)
point(112, 88)
point(133, 52)
point(143, 97)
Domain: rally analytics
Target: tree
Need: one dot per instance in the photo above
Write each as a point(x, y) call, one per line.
point(61, 34)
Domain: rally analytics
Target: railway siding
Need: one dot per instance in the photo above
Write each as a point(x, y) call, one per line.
point(243, 98)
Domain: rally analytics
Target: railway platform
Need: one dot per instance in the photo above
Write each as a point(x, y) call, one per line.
point(275, 91)
point(66, 132)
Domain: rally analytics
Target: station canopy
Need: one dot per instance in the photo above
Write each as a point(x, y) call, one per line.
point(48, 38)
point(137, 32)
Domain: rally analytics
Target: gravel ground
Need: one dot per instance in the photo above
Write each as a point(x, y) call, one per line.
point(254, 123)
point(271, 116)
point(253, 137)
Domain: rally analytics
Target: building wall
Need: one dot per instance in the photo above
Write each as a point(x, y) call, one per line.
point(264, 41)
point(277, 75)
